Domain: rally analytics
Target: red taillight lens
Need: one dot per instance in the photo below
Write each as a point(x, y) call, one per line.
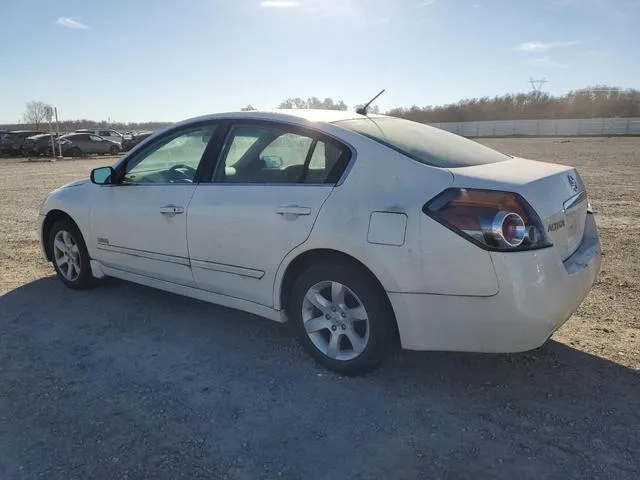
point(494, 220)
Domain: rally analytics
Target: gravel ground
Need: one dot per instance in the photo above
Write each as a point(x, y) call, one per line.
point(127, 382)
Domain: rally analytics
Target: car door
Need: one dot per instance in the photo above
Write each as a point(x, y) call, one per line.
point(139, 223)
point(83, 142)
point(97, 144)
point(269, 184)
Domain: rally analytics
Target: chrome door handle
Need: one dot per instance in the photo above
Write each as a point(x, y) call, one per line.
point(171, 210)
point(293, 210)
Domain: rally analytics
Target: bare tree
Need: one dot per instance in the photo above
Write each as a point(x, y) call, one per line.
point(248, 108)
point(313, 102)
point(35, 113)
point(293, 103)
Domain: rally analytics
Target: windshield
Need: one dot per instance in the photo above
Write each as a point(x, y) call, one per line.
point(423, 143)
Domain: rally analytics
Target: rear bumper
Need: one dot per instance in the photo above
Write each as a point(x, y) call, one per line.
point(538, 292)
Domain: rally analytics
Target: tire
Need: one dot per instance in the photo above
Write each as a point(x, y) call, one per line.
point(75, 152)
point(113, 150)
point(340, 318)
point(78, 256)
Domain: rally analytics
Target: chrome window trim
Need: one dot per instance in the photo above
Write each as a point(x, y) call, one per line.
point(168, 130)
point(256, 184)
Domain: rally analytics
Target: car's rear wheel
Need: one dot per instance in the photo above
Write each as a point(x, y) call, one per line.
point(70, 256)
point(342, 317)
point(75, 152)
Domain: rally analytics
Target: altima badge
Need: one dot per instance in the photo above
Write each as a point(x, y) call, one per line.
point(555, 226)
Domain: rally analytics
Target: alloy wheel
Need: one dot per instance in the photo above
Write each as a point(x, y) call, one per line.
point(335, 320)
point(66, 255)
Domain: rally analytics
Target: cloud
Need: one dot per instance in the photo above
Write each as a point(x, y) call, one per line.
point(71, 22)
point(426, 3)
point(537, 47)
point(546, 62)
point(279, 4)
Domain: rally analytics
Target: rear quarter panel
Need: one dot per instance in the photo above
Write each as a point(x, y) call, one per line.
point(432, 259)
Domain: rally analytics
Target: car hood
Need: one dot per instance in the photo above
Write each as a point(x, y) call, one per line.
point(75, 183)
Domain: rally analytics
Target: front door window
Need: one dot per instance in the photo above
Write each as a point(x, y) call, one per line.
point(173, 159)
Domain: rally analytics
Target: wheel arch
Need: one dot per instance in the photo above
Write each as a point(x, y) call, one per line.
point(51, 218)
point(309, 257)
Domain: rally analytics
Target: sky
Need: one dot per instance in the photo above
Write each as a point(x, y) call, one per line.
point(166, 60)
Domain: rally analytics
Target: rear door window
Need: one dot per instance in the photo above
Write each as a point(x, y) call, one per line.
point(275, 154)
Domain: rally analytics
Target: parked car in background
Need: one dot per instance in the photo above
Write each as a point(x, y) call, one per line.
point(134, 139)
point(38, 144)
point(353, 228)
point(12, 142)
point(104, 133)
point(79, 144)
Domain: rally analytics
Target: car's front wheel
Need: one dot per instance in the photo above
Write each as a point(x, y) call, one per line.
point(342, 317)
point(70, 256)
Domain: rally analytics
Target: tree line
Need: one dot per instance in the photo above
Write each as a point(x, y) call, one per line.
point(591, 102)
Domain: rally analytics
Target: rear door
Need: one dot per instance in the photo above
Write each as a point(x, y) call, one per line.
point(269, 184)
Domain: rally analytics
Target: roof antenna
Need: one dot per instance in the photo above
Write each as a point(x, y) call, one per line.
point(363, 110)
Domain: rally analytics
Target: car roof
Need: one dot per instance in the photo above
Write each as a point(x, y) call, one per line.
point(297, 115)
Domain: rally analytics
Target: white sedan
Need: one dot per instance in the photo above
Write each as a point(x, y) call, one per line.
point(356, 229)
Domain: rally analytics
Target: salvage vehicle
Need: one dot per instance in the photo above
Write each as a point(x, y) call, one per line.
point(358, 229)
point(80, 144)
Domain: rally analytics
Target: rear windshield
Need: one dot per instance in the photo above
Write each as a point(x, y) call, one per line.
point(423, 143)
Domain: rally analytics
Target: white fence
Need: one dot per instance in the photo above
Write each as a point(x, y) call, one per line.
point(562, 128)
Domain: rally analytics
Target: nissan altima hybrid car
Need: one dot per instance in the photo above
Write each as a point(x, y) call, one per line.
point(358, 230)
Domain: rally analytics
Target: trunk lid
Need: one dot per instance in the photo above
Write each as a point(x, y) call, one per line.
point(555, 192)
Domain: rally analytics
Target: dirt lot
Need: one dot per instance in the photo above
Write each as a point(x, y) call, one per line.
point(127, 382)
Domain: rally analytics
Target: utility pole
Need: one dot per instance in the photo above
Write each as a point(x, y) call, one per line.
point(55, 112)
point(536, 86)
point(48, 112)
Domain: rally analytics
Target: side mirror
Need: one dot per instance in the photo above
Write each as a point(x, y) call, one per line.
point(272, 161)
point(102, 175)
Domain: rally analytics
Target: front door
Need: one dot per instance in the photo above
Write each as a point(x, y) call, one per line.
point(267, 189)
point(139, 224)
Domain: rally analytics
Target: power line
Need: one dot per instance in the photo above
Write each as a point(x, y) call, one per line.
point(536, 85)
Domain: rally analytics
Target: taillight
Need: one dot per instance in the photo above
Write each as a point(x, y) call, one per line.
point(491, 219)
